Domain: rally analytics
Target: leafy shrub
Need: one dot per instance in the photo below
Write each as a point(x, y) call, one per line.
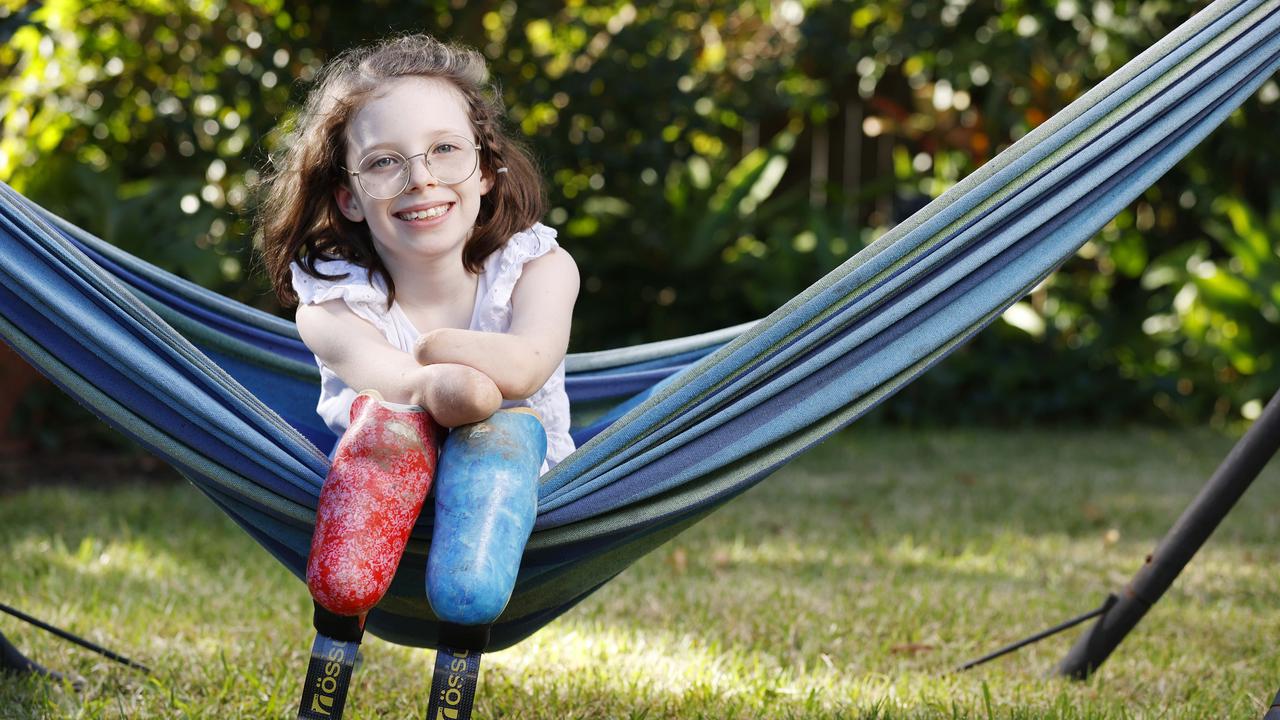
point(706, 163)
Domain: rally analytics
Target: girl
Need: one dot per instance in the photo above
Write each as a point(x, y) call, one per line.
point(403, 221)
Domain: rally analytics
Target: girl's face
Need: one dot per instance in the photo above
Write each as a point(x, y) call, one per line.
point(430, 219)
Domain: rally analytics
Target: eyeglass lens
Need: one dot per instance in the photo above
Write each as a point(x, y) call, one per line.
point(384, 174)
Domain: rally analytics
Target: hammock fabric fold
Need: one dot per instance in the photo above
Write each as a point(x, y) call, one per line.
point(227, 394)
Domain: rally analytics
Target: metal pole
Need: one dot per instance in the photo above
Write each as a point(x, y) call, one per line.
point(1188, 534)
point(74, 638)
point(1060, 627)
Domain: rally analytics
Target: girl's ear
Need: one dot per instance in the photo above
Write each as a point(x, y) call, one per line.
point(347, 204)
point(486, 182)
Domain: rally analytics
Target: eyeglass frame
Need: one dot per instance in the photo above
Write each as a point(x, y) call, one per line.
point(408, 165)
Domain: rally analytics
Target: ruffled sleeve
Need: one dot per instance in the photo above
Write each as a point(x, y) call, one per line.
point(365, 295)
point(502, 271)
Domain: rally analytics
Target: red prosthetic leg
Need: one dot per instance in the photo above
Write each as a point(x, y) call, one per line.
point(380, 476)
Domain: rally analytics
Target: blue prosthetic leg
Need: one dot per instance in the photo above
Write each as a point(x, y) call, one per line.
point(486, 500)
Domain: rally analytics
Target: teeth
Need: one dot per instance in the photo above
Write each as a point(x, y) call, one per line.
point(434, 212)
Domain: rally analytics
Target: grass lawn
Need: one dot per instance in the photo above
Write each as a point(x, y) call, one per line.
point(847, 585)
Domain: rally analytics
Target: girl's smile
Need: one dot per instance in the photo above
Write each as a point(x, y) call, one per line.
point(425, 215)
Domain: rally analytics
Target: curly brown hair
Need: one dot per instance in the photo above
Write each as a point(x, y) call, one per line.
point(299, 219)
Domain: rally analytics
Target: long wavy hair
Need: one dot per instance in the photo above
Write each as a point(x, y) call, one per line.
point(299, 219)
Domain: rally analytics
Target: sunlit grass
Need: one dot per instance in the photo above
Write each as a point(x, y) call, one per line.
point(847, 585)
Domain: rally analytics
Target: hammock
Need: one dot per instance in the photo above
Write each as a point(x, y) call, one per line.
point(226, 394)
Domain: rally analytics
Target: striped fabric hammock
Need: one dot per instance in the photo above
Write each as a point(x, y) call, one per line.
point(226, 394)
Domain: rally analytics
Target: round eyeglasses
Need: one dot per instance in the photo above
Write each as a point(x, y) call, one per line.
point(384, 174)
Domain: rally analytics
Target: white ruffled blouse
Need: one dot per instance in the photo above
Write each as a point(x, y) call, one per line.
point(367, 298)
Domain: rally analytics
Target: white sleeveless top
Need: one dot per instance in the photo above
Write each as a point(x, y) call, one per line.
point(367, 297)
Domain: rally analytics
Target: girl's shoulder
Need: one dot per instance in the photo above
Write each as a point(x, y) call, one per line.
point(347, 281)
point(502, 271)
point(526, 245)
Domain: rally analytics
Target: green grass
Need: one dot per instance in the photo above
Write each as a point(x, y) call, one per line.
point(847, 585)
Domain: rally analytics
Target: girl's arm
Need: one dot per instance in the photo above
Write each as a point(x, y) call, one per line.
point(357, 353)
point(520, 360)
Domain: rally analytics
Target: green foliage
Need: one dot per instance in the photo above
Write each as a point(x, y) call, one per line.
point(706, 163)
point(143, 122)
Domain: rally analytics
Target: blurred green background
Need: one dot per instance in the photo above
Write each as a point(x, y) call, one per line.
point(706, 160)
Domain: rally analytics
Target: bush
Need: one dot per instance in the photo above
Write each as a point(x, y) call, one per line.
point(706, 163)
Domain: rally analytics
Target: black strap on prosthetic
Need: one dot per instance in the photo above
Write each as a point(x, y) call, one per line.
point(333, 658)
point(457, 673)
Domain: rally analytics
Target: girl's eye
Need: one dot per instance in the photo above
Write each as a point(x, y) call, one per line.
point(383, 162)
point(444, 149)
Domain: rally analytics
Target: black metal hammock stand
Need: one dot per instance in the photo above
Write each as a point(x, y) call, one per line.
point(1122, 610)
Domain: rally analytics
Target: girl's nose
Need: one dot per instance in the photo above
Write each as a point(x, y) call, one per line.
point(419, 173)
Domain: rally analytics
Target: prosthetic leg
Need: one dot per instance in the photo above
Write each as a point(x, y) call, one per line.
point(380, 476)
point(486, 501)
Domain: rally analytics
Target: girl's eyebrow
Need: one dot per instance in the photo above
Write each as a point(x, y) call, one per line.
point(376, 146)
point(433, 138)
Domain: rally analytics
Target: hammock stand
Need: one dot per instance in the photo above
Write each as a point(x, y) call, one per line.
point(1236, 473)
point(1122, 610)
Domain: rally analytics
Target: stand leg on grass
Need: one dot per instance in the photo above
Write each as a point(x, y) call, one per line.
point(13, 662)
point(1233, 476)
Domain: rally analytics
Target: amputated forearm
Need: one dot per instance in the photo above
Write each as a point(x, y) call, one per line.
point(516, 365)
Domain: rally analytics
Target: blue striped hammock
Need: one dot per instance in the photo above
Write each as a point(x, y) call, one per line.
point(226, 394)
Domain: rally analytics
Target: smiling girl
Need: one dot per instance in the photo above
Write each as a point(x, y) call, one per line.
point(404, 222)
